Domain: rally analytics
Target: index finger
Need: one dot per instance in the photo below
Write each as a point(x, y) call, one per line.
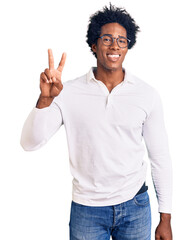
point(62, 62)
point(50, 59)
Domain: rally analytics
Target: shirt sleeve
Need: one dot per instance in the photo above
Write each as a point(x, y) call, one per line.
point(156, 141)
point(39, 126)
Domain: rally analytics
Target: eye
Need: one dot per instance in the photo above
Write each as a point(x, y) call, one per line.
point(106, 39)
point(122, 40)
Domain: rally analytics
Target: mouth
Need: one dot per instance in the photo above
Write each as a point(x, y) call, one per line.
point(113, 57)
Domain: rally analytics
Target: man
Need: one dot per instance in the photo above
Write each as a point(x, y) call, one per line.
point(106, 114)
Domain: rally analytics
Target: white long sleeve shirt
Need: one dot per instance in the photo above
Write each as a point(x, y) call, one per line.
point(104, 134)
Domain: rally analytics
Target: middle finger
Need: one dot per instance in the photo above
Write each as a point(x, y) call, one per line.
point(48, 73)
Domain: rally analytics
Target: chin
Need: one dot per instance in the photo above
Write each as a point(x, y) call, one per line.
point(113, 68)
point(110, 66)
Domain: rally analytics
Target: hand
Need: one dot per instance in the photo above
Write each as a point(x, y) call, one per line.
point(163, 230)
point(50, 79)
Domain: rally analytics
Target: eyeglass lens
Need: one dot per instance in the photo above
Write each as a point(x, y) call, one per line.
point(108, 40)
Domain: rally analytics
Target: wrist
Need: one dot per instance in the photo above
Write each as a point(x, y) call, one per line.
point(165, 217)
point(44, 101)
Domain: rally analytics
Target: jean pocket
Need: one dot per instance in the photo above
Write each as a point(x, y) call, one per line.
point(142, 199)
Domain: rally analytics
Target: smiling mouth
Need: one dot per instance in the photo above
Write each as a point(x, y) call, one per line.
point(113, 57)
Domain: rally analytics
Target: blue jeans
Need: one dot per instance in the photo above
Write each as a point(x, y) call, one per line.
point(130, 220)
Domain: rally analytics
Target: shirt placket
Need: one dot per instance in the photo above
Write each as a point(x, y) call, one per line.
point(109, 95)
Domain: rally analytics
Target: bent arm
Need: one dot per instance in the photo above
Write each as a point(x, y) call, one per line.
point(156, 141)
point(39, 126)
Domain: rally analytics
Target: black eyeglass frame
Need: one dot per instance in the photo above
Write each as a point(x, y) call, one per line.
point(117, 39)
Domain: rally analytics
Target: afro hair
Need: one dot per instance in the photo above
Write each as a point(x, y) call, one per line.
point(111, 15)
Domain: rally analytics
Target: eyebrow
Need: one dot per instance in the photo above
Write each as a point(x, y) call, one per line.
point(112, 35)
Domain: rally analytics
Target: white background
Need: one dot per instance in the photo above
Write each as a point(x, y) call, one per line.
point(35, 187)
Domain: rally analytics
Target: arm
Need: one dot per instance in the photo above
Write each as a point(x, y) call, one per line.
point(156, 141)
point(40, 125)
point(45, 119)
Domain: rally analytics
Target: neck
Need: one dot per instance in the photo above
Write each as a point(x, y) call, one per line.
point(109, 77)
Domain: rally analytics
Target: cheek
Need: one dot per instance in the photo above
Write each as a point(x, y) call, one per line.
point(124, 54)
point(101, 50)
point(101, 54)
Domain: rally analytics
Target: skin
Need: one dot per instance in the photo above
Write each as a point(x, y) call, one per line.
point(164, 230)
point(50, 81)
point(108, 71)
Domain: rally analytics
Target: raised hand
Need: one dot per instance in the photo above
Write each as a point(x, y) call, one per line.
point(50, 81)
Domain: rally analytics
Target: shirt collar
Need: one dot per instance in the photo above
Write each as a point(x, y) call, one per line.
point(128, 77)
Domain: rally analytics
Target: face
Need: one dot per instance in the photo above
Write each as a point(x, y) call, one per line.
point(110, 57)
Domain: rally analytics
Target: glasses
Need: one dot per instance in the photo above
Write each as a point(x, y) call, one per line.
point(108, 40)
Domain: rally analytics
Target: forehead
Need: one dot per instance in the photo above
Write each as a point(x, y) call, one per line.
point(114, 29)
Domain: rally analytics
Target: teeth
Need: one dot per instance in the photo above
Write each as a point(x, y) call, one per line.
point(113, 56)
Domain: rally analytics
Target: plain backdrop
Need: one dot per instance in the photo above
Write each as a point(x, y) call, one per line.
point(36, 187)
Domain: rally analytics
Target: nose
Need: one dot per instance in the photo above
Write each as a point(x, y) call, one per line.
point(115, 44)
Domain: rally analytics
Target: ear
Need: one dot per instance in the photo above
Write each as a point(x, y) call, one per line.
point(94, 47)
